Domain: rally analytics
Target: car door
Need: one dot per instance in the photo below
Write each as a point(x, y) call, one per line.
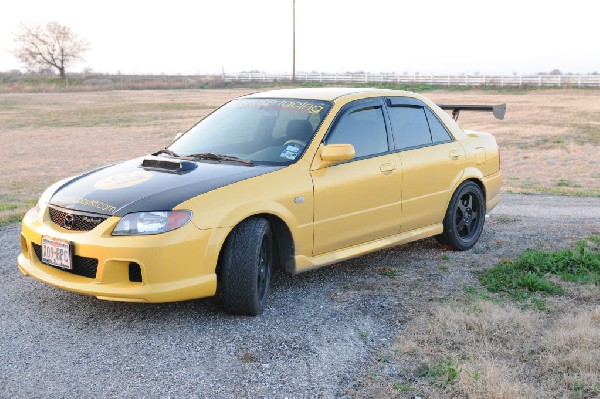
point(432, 161)
point(358, 200)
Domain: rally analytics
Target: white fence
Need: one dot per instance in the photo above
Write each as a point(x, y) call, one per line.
point(434, 80)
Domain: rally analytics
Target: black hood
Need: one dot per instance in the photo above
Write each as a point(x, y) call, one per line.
point(128, 187)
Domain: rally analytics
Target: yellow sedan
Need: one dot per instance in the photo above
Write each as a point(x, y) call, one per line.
point(293, 179)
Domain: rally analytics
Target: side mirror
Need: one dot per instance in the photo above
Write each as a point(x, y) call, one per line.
point(337, 152)
point(333, 153)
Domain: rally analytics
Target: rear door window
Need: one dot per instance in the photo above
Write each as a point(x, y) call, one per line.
point(414, 124)
point(410, 126)
point(439, 133)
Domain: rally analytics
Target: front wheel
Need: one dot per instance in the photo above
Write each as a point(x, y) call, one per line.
point(464, 218)
point(246, 268)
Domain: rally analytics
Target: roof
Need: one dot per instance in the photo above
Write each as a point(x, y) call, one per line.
point(322, 93)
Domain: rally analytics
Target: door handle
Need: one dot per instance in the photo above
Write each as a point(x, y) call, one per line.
point(387, 167)
point(454, 155)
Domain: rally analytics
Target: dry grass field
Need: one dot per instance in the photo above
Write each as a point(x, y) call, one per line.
point(496, 348)
point(550, 139)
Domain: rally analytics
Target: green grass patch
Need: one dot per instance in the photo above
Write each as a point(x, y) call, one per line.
point(587, 132)
point(475, 295)
point(6, 105)
point(563, 190)
point(529, 275)
point(14, 218)
point(391, 272)
point(567, 183)
point(12, 212)
point(7, 207)
point(444, 373)
point(402, 387)
point(580, 390)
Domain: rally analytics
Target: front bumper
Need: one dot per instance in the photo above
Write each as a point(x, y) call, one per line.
point(174, 266)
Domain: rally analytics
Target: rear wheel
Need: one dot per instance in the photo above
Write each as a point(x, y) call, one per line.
point(464, 218)
point(246, 268)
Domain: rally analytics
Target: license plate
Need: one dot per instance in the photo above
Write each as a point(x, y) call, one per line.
point(57, 252)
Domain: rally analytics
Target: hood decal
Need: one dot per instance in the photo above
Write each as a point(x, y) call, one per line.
point(123, 180)
point(127, 187)
point(85, 203)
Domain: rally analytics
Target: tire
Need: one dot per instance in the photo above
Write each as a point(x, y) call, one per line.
point(464, 218)
point(247, 266)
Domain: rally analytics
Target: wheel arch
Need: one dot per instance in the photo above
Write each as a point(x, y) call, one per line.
point(282, 238)
point(477, 181)
point(490, 185)
point(471, 174)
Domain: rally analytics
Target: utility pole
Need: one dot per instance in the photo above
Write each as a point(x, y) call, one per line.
point(293, 41)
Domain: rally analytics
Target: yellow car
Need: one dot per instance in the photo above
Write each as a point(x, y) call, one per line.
point(293, 179)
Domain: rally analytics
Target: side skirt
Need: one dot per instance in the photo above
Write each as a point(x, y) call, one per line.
point(305, 263)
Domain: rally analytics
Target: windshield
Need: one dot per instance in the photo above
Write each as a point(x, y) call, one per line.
point(269, 131)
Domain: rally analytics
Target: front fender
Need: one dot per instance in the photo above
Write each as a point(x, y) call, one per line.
point(270, 194)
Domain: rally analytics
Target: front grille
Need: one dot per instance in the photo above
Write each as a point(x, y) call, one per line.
point(82, 266)
point(75, 221)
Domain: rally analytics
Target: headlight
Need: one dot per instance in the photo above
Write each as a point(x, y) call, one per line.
point(141, 223)
point(45, 198)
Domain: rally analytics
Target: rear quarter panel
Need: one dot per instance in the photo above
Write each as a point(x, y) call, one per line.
point(483, 163)
point(482, 151)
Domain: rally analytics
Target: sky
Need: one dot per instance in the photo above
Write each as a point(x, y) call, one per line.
point(426, 37)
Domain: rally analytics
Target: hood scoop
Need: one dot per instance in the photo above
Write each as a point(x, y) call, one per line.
point(168, 165)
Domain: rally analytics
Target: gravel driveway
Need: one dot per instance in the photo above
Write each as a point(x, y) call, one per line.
point(318, 337)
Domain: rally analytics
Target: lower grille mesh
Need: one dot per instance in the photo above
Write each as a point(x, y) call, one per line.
point(82, 266)
point(135, 272)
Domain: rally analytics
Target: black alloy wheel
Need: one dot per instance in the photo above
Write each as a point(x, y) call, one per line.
point(464, 218)
point(247, 266)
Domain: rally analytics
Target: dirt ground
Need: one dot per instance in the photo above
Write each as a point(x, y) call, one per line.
point(398, 323)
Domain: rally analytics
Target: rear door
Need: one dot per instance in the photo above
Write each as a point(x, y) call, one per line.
point(432, 161)
point(358, 200)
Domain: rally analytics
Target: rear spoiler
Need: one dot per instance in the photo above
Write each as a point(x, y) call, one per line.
point(498, 110)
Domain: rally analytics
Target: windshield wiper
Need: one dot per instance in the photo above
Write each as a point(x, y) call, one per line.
point(220, 157)
point(166, 151)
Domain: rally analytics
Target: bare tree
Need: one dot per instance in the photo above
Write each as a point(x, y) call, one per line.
point(43, 45)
